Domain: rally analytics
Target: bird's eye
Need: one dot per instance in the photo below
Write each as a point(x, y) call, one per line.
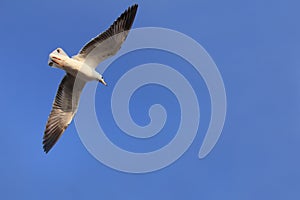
point(58, 51)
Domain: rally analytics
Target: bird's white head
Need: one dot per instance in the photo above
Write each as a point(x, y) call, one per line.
point(57, 58)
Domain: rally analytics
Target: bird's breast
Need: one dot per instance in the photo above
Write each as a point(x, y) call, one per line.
point(80, 69)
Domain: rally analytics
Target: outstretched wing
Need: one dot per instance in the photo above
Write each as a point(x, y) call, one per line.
point(109, 42)
point(63, 110)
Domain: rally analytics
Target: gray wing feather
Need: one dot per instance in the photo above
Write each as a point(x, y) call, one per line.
point(109, 42)
point(63, 110)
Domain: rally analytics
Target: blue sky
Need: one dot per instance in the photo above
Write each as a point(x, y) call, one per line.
point(255, 45)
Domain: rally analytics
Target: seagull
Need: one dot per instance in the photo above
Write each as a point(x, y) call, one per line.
point(81, 68)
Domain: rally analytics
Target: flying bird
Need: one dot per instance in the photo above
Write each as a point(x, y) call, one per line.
point(79, 70)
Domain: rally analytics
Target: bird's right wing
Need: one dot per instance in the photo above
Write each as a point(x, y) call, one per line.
point(109, 42)
point(63, 110)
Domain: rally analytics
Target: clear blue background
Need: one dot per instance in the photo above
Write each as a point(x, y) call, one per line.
point(256, 46)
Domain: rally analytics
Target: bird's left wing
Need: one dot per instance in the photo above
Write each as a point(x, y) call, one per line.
point(63, 110)
point(109, 42)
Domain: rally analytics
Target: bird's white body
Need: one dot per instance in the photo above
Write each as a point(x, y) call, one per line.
point(74, 66)
point(82, 70)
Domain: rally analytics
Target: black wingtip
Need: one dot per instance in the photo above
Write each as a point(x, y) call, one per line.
point(129, 15)
point(46, 147)
point(134, 6)
point(51, 137)
point(132, 9)
point(46, 150)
